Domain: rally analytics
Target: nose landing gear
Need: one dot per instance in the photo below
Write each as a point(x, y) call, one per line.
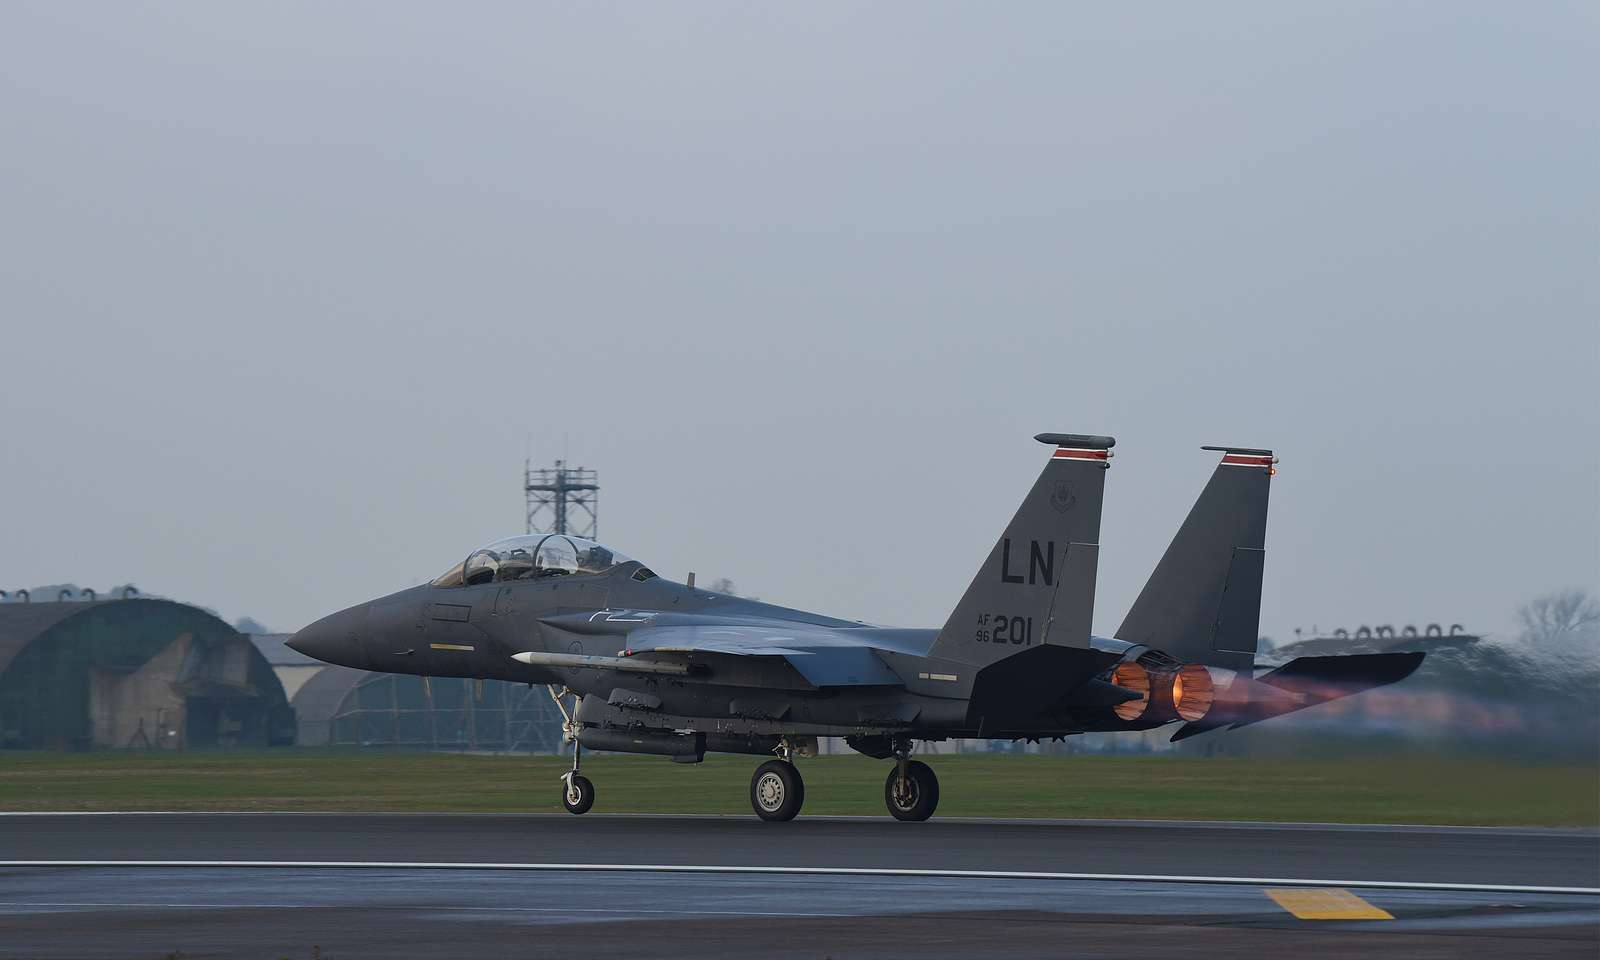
point(577, 793)
point(776, 788)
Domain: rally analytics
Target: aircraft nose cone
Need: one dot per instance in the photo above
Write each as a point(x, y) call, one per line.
point(333, 639)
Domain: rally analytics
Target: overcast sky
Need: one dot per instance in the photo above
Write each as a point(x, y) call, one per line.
point(288, 291)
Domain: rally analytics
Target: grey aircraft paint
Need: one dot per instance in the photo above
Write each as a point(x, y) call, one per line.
point(652, 666)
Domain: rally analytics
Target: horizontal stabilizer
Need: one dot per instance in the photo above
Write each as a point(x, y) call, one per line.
point(1300, 683)
point(1029, 685)
point(1340, 676)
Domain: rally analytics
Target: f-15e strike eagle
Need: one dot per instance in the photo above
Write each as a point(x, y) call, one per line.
point(640, 664)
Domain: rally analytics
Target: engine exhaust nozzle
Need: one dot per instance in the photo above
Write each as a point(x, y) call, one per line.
point(1193, 692)
point(1134, 678)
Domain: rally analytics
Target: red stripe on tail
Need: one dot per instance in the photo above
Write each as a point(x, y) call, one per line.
point(1076, 453)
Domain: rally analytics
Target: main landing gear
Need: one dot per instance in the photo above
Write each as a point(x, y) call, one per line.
point(776, 788)
point(577, 793)
point(912, 791)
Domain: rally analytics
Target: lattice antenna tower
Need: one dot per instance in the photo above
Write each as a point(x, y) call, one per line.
point(562, 499)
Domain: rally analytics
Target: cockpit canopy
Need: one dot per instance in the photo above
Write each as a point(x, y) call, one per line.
point(532, 557)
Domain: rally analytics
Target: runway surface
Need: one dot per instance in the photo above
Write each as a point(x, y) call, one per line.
point(379, 910)
point(1399, 854)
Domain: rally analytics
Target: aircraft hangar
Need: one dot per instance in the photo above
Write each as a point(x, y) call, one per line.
point(135, 673)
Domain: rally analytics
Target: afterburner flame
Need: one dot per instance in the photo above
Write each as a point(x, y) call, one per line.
point(1132, 677)
point(1192, 691)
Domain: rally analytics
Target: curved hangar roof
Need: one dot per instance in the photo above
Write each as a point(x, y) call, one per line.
point(53, 654)
point(22, 623)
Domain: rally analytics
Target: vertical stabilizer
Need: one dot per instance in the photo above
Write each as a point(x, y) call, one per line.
point(1203, 602)
point(1037, 584)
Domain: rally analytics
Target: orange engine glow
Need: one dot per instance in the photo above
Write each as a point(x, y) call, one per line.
point(1192, 691)
point(1134, 678)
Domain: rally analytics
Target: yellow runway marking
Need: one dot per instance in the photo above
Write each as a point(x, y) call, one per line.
point(1325, 904)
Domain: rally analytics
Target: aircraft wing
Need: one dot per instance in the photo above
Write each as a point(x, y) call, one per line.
point(825, 656)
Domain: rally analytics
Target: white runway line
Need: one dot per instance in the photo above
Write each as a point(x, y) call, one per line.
point(820, 871)
point(1288, 825)
point(413, 908)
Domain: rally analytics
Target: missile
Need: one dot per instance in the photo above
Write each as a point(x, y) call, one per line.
point(578, 661)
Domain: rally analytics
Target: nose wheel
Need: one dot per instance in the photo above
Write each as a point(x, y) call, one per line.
point(578, 793)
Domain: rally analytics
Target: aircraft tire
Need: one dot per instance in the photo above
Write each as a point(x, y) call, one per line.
point(921, 799)
point(578, 797)
point(777, 791)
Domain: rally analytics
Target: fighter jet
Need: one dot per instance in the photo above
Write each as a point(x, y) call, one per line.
point(639, 664)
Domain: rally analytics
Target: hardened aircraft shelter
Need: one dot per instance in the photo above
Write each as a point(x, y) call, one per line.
point(133, 673)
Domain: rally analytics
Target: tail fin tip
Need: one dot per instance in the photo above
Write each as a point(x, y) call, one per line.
point(1085, 440)
point(1245, 457)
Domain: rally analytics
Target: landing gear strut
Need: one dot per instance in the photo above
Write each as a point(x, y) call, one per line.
point(911, 791)
point(776, 789)
point(577, 793)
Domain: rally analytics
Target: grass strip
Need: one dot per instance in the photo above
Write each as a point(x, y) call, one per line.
point(1434, 790)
